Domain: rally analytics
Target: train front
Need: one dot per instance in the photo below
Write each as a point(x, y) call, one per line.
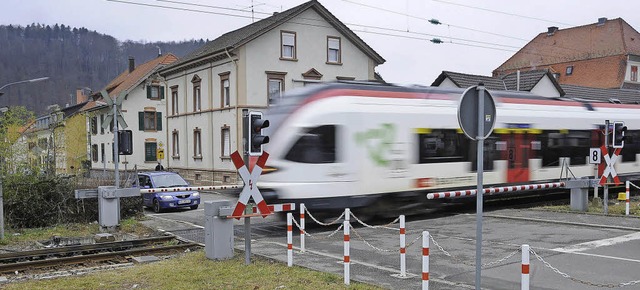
point(303, 166)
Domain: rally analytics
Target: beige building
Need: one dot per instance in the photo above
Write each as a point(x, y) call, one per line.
point(247, 69)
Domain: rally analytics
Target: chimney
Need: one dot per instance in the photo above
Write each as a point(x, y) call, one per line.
point(80, 96)
point(551, 30)
point(132, 64)
point(601, 21)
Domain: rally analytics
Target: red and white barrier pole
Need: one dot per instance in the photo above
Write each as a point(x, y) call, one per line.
point(346, 252)
point(626, 193)
point(302, 227)
point(425, 260)
point(493, 190)
point(525, 267)
point(289, 239)
point(347, 214)
point(403, 249)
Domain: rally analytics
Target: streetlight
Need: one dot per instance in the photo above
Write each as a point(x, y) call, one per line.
point(25, 81)
point(1, 194)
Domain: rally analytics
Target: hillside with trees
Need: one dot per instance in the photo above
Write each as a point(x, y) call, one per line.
point(72, 58)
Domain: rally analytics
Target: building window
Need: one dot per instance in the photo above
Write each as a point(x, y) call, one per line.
point(225, 90)
point(102, 124)
point(569, 70)
point(175, 149)
point(150, 120)
point(275, 85)
point(226, 141)
point(155, 92)
point(634, 73)
point(174, 100)
point(197, 100)
point(197, 144)
point(333, 50)
point(102, 153)
point(94, 125)
point(556, 76)
point(288, 44)
point(94, 152)
point(150, 151)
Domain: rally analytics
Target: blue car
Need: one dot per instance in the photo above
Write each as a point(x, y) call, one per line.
point(160, 201)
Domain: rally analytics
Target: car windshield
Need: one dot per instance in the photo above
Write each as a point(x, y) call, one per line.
point(169, 180)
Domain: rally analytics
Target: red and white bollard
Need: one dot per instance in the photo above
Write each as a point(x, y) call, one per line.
point(289, 239)
point(525, 267)
point(626, 193)
point(302, 209)
point(425, 260)
point(346, 252)
point(403, 249)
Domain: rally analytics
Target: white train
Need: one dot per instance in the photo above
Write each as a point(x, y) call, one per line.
point(374, 146)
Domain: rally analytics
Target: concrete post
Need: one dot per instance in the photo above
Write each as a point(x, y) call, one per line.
point(579, 199)
point(218, 231)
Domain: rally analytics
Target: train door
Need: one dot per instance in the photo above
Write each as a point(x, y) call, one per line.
point(517, 155)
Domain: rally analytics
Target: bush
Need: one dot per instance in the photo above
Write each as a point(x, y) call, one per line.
point(34, 200)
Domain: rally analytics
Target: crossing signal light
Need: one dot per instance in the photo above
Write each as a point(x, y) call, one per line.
point(125, 142)
point(256, 137)
point(618, 134)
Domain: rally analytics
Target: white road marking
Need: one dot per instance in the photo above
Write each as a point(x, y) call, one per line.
point(599, 243)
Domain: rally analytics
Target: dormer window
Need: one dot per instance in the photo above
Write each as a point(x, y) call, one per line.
point(569, 70)
point(634, 73)
point(288, 45)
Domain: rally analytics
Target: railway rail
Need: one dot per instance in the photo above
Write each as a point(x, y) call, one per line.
point(116, 252)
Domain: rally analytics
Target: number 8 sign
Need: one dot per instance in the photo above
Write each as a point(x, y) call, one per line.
point(595, 156)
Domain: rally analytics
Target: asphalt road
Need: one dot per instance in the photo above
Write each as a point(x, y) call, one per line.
point(572, 250)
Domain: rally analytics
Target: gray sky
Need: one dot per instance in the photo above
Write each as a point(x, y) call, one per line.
point(468, 29)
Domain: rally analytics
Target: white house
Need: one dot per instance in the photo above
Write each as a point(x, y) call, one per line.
point(143, 109)
point(247, 69)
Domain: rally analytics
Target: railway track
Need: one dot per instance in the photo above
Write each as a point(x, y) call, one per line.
point(110, 252)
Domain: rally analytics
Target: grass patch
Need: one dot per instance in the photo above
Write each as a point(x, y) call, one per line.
point(188, 271)
point(618, 208)
point(195, 271)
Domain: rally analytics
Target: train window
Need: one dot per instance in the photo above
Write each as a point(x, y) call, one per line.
point(565, 143)
point(318, 145)
point(442, 146)
point(491, 147)
point(631, 148)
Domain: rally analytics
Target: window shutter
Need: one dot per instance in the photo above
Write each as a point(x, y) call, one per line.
point(148, 92)
point(141, 121)
point(161, 92)
point(159, 121)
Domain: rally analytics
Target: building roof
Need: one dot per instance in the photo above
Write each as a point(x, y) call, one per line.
point(601, 39)
point(530, 78)
point(235, 39)
point(468, 80)
point(128, 80)
point(623, 96)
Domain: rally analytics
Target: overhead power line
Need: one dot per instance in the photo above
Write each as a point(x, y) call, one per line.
point(433, 21)
point(502, 12)
point(465, 42)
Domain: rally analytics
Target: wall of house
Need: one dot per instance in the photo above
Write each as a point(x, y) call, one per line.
point(210, 167)
point(605, 72)
point(447, 83)
point(75, 144)
point(263, 54)
point(135, 102)
point(546, 88)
